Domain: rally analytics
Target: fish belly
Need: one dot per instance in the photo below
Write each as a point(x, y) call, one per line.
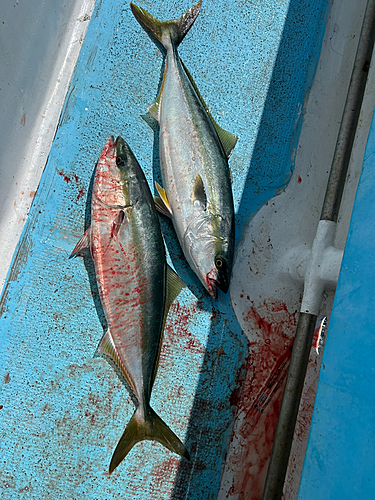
point(130, 300)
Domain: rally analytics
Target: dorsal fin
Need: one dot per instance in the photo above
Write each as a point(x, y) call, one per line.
point(227, 139)
point(154, 108)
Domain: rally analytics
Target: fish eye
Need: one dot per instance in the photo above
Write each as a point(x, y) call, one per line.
point(219, 263)
point(119, 161)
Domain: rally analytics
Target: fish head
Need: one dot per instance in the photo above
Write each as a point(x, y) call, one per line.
point(209, 243)
point(223, 267)
point(107, 186)
point(133, 181)
point(124, 155)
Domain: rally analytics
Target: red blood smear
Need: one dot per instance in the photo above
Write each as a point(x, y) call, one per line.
point(258, 401)
point(161, 472)
point(179, 329)
point(65, 177)
point(81, 193)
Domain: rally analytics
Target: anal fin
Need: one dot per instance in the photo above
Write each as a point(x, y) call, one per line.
point(108, 349)
point(174, 287)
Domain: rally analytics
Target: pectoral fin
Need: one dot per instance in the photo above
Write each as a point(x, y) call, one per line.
point(83, 242)
point(198, 195)
point(227, 139)
point(162, 204)
point(117, 223)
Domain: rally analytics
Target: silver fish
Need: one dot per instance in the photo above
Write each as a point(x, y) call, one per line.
point(194, 154)
point(136, 285)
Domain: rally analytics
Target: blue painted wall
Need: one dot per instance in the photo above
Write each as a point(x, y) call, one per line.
point(340, 463)
point(62, 408)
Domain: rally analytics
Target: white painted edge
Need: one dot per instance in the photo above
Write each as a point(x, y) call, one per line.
point(35, 154)
point(323, 267)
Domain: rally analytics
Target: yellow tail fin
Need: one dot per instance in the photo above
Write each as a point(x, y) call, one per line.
point(175, 29)
point(146, 425)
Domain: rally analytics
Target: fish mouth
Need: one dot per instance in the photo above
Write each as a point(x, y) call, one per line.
point(223, 285)
point(211, 284)
point(215, 280)
point(223, 282)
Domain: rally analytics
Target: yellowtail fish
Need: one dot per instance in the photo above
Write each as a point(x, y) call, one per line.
point(136, 285)
point(194, 154)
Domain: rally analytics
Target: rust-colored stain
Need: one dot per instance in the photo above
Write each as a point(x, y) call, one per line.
point(74, 178)
point(258, 400)
point(181, 315)
point(23, 120)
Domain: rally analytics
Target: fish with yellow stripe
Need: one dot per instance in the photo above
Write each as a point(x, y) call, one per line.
point(194, 152)
point(136, 286)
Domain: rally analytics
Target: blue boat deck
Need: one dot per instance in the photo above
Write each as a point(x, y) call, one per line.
point(62, 407)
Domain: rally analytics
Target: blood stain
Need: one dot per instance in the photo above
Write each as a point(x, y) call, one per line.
point(65, 177)
point(258, 399)
point(81, 193)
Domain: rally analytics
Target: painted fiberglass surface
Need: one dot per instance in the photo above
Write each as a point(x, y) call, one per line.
point(63, 408)
point(346, 388)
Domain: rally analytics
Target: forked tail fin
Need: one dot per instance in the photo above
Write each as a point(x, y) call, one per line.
point(149, 426)
point(164, 31)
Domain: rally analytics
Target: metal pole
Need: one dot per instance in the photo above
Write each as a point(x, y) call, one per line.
point(350, 117)
point(306, 324)
point(289, 407)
